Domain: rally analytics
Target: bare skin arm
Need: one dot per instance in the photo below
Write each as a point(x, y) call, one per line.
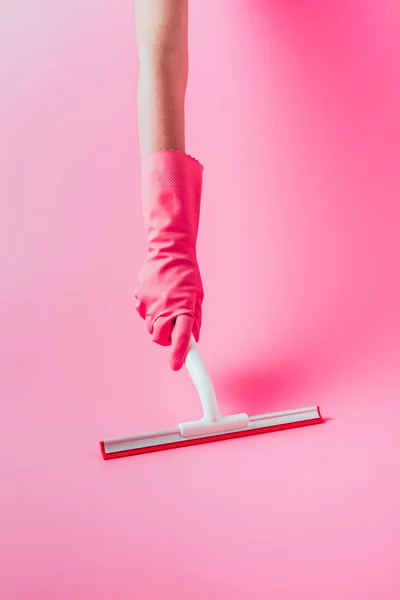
point(162, 43)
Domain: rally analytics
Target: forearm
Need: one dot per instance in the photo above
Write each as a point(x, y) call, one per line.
point(162, 43)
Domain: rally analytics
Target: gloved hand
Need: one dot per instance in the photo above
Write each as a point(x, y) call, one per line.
point(170, 292)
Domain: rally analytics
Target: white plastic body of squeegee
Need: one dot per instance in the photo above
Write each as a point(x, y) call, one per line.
point(212, 421)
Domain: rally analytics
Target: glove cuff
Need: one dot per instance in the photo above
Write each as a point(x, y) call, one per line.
point(171, 194)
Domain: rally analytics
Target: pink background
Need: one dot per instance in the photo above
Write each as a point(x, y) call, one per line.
point(293, 108)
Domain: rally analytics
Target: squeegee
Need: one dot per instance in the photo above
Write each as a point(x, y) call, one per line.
point(212, 426)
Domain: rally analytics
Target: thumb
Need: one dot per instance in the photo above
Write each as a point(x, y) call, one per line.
point(180, 341)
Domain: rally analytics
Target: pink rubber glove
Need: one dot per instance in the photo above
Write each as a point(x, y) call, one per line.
point(170, 293)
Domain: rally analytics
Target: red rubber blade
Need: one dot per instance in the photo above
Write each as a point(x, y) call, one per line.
point(212, 438)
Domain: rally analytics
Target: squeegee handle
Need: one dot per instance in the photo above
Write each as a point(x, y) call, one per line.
point(202, 381)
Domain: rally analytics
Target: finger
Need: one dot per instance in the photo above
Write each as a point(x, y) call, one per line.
point(160, 330)
point(180, 341)
point(197, 321)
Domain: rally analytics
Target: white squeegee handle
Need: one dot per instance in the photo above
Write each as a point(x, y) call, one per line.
point(202, 381)
point(212, 421)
